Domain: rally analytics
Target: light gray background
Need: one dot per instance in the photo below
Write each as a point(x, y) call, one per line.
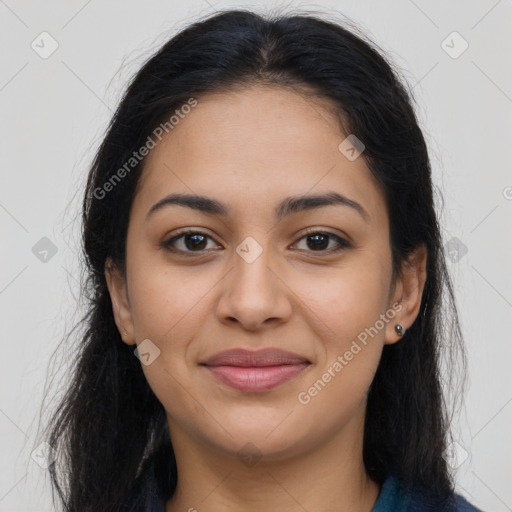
point(54, 112)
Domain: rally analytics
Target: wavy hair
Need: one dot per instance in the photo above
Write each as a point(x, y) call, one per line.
point(109, 430)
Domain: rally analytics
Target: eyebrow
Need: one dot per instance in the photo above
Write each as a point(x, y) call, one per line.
point(288, 206)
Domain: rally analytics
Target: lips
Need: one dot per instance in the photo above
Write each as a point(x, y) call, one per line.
point(257, 358)
point(255, 371)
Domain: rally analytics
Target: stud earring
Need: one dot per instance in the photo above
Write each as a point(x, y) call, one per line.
point(125, 333)
point(399, 330)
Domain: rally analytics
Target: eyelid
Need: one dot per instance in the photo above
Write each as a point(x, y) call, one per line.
point(344, 242)
point(167, 243)
point(326, 231)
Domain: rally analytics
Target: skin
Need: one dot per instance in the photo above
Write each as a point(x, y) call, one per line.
point(250, 149)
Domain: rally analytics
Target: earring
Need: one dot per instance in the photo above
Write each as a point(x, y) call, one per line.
point(125, 333)
point(399, 330)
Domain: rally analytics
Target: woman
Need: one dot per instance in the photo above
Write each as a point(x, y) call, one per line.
point(265, 274)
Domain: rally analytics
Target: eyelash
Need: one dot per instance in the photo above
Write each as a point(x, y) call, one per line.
point(343, 244)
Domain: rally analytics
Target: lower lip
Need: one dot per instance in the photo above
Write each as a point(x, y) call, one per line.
point(256, 379)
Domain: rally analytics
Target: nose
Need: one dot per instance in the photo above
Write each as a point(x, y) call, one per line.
point(254, 295)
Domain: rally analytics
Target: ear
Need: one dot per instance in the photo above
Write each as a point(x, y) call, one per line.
point(116, 283)
point(407, 293)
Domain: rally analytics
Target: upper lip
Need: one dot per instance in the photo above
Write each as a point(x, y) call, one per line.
point(255, 358)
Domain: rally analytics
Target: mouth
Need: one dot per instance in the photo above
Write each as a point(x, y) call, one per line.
point(255, 371)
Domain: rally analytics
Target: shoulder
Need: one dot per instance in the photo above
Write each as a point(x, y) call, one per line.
point(394, 497)
point(418, 502)
point(462, 505)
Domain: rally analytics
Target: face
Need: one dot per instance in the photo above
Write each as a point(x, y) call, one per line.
point(311, 279)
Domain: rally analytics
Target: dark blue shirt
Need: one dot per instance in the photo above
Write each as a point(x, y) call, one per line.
point(391, 499)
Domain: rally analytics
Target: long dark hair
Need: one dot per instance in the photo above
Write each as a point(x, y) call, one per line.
point(109, 430)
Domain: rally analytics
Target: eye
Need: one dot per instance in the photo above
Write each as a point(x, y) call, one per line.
point(188, 241)
point(319, 241)
point(197, 242)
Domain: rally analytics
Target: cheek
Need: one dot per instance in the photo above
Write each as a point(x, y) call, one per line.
point(348, 299)
point(169, 308)
point(350, 303)
point(351, 307)
point(164, 301)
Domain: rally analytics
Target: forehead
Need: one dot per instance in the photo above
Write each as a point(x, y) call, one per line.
point(254, 146)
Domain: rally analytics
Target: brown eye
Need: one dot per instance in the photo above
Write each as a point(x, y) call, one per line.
point(189, 241)
point(197, 242)
point(320, 241)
